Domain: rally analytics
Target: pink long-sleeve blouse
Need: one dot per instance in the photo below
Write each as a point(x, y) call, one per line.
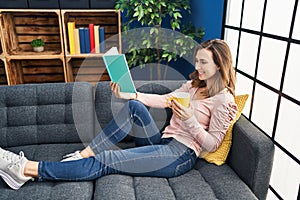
point(205, 130)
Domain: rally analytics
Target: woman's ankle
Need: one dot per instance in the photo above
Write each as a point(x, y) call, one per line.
point(87, 152)
point(31, 169)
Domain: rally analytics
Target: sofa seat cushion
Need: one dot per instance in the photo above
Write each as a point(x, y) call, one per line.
point(48, 189)
point(206, 181)
point(188, 186)
point(225, 183)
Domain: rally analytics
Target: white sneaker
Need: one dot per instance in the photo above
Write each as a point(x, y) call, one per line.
point(72, 156)
point(12, 168)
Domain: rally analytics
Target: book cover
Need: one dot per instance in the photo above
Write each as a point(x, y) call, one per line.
point(97, 39)
point(92, 38)
point(77, 42)
point(82, 40)
point(118, 71)
point(87, 40)
point(71, 27)
point(102, 39)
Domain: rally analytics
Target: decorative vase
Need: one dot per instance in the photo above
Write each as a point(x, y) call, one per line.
point(38, 49)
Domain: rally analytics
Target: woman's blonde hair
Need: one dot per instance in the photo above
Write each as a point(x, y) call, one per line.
point(222, 57)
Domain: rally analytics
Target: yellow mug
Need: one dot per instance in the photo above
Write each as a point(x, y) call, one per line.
point(181, 97)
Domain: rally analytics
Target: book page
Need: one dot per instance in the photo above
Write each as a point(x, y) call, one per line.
point(112, 51)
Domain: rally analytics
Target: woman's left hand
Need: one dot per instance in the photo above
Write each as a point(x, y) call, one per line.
point(115, 88)
point(180, 111)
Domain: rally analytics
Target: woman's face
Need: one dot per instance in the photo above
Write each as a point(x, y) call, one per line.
point(205, 65)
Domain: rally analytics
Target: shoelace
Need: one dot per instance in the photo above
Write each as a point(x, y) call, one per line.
point(13, 158)
point(9, 156)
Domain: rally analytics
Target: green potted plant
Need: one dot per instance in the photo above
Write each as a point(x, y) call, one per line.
point(38, 45)
point(154, 46)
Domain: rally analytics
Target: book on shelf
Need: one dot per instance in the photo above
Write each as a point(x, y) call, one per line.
point(92, 38)
point(97, 39)
point(71, 27)
point(76, 41)
point(87, 40)
point(102, 39)
point(82, 40)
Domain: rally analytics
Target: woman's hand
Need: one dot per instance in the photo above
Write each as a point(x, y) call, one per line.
point(180, 111)
point(115, 88)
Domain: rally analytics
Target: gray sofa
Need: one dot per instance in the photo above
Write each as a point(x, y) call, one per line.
point(47, 121)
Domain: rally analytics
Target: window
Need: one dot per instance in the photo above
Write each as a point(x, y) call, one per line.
point(248, 53)
point(264, 108)
point(292, 73)
point(296, 32)
point(244, 86)
point(278, 17)
point(271, 60)
point(286, 183)
point(232, 38)
point(289, 116)
point(264, 37)
point(252, 15)
point(234, 12)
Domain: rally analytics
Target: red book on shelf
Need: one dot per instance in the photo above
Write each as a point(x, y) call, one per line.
point(92, 38)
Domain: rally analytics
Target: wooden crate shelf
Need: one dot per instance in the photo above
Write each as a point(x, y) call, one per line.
point(36, 71)
point(37, 55)
point(109, 19)
point(2, 54)
point(1, 49)
point(3, 79)
point(89, 70)
point(20, 65)
point(19, 28)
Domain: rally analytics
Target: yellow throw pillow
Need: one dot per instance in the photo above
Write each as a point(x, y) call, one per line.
point(219, 156)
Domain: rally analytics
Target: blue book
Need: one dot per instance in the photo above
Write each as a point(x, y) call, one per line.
point(87, 40)
point(81, 40)
point(102, 40)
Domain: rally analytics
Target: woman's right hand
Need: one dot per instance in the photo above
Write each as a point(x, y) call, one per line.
point(115, 88)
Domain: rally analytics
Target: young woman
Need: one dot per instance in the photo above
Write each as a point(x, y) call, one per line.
point(195, 129)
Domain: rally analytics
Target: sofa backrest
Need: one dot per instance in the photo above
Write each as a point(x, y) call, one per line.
point(106, 105)
point(46, 113)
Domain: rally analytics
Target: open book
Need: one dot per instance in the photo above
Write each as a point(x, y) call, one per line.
point(118, 70)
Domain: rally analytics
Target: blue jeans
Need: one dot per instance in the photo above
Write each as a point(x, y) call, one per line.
point(153, 155)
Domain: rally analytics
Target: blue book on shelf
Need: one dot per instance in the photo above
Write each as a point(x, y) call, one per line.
point(87, 40)
point(81, 40)
point(102, 40)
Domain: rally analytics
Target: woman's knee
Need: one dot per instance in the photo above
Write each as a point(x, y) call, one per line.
point(138, 109)
point(134, 104)
point(139, 113)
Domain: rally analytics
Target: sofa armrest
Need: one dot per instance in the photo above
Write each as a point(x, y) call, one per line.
point(251, 156)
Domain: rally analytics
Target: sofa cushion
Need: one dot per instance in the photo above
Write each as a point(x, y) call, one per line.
point(49, 190)
point(45, 113)
point(206, 181)
point(225, 183)
point(188, 186)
